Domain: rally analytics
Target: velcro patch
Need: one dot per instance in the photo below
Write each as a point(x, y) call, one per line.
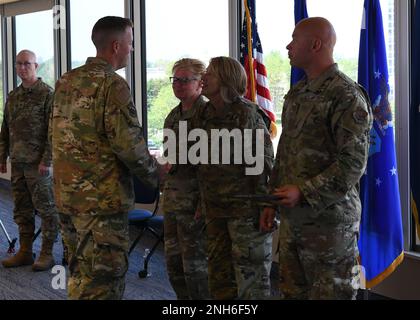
point(360, 115)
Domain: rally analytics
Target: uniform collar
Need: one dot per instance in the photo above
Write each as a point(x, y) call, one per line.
point(315, 84)
point(227, 108)
point(189, 113)
point(31, 88)
point(102, 62)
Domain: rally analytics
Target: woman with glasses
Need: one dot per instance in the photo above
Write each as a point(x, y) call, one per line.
point(239, 255)
point(184, 242)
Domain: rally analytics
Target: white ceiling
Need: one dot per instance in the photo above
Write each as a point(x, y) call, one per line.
point(7, 1)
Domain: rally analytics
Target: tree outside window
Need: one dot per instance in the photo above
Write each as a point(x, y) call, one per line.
point(175, 30)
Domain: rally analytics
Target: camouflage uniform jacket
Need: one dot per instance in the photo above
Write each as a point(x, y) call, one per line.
point(219, 181)
point(324, 144)
point(181, 192)
point(97, 141)
point(24, 130)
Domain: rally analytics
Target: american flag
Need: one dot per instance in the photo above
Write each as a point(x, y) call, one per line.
point(252, 60)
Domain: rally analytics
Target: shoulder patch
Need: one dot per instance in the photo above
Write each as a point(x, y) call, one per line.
point(360, 115)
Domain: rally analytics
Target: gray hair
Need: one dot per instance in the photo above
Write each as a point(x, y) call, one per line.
point(194, 65)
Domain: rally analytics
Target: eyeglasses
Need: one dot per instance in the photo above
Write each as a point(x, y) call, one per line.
point(174, 80)
point(25, 64)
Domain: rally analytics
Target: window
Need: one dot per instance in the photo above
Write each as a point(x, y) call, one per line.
point(276, 23)
point(35, 32)
point(179, 29)
point(347, 19)
point(273, 16)
point(81, 28)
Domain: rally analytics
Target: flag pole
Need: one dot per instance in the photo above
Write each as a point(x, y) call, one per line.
point(250, 51)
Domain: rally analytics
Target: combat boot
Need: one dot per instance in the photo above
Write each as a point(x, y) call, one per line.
point(45, 260)
point(24, 256)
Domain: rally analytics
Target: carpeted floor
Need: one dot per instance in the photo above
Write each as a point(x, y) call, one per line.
point(24, 284)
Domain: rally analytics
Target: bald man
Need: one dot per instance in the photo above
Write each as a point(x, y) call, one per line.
point(24, 140)
point(321, 156)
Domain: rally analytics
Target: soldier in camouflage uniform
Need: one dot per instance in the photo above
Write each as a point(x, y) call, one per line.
point(97, 143)
point(24, 138)
point(239, 255)
point(322, 154)
point(185, 250)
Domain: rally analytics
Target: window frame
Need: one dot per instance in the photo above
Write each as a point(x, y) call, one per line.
point(412, 227)
point(3, 58)
point(402, 123)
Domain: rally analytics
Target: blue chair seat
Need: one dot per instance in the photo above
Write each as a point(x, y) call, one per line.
point(145, 220)
point(138, 215)
point(156, 222)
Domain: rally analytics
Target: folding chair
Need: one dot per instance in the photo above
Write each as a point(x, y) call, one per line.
point(146, 220)
point(12, 242)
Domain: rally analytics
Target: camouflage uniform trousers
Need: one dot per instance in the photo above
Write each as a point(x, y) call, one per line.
point(31, 191)
point(317, 260)
point(186, 257)
point(240, 258)
point(98, 255)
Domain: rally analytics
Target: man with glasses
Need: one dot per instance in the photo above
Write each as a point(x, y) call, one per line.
point(24, 140)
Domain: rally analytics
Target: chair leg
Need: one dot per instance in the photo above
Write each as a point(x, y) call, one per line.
point(144, 273)
point(39, 229)
point(12, 242)
point(65, 259)
point(36, 234)
point(135, 242)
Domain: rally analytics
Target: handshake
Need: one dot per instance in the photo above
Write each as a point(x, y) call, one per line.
point(261, 198)
point(288, 196)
